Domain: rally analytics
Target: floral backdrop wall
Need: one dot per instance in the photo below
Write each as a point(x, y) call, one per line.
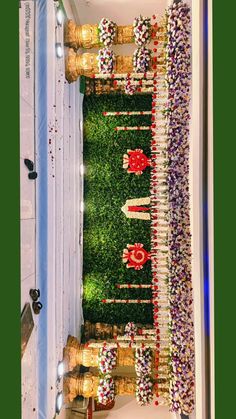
point(107, 186)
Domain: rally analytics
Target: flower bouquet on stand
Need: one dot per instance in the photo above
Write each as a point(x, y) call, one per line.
point(144, 390)
point(106, 389)
point(107, 31)
point(142, 59)
point(142, 30)
point(107, 359)
point(143, 361)
point(106, 59)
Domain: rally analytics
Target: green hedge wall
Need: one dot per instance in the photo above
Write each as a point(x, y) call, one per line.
point(106, 229)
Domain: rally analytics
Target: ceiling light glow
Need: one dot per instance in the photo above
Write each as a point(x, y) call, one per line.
point(82, 169)
point(59, 50)
point(59, 16)
point(60, 369)
point(59, 402)
point(82, 206)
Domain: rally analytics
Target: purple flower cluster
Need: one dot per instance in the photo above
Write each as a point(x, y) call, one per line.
point(141, 59)
point(107, 31)
point(143, 361)
point(182, 391)
point(106, 59)
point(142, 30)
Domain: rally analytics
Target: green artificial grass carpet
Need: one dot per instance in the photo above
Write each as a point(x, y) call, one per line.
point(107, 186)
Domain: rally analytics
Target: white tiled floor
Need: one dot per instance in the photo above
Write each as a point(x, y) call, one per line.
point(27, 203)
point(27, 248)
point(29, 384)
point(26, 127)
point(27, 190)
point(65, 267)
point(26, 284)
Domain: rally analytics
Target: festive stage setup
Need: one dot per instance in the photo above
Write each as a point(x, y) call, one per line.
point(162, 353)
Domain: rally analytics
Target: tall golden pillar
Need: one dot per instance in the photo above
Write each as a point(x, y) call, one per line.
point(87, 384)
point(78, 354)
point(87, 36)
point(87, 64)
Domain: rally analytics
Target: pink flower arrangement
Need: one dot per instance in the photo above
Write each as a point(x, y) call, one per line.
point(107, 359)
point(142, 30)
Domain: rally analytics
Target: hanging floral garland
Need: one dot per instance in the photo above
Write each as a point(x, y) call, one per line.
point(106, 389)
point(142, 30)
point(106, 59)
point(107, 359)
point(130, 87)
point(143, 361)
point(142, 59)
point(130, 330)
point(107, 31)
point(144, 390)
point(182, 393)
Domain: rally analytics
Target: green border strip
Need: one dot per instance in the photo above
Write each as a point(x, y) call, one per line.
point(224, 170)
point(224, 206)
point(10, 214)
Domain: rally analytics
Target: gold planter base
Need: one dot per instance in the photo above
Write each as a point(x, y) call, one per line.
point(84, 36)
point(86, 385)
point(75, 354)
point(74, 385)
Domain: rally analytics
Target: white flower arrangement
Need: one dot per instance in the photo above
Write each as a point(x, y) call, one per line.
point(106, 59)
point(142, 30)
point(143, 361)
point(144, 394)
point(107, 359)
point(107, 31)
point(141, 59)
point(106, 389)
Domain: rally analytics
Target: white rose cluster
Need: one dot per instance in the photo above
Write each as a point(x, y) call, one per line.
point(106, 59)
point(107, 359)
point(106, 389)
point(144, 393)
point(141, 59)
point(107, 31)
point(142, 30)
point(143, 361)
